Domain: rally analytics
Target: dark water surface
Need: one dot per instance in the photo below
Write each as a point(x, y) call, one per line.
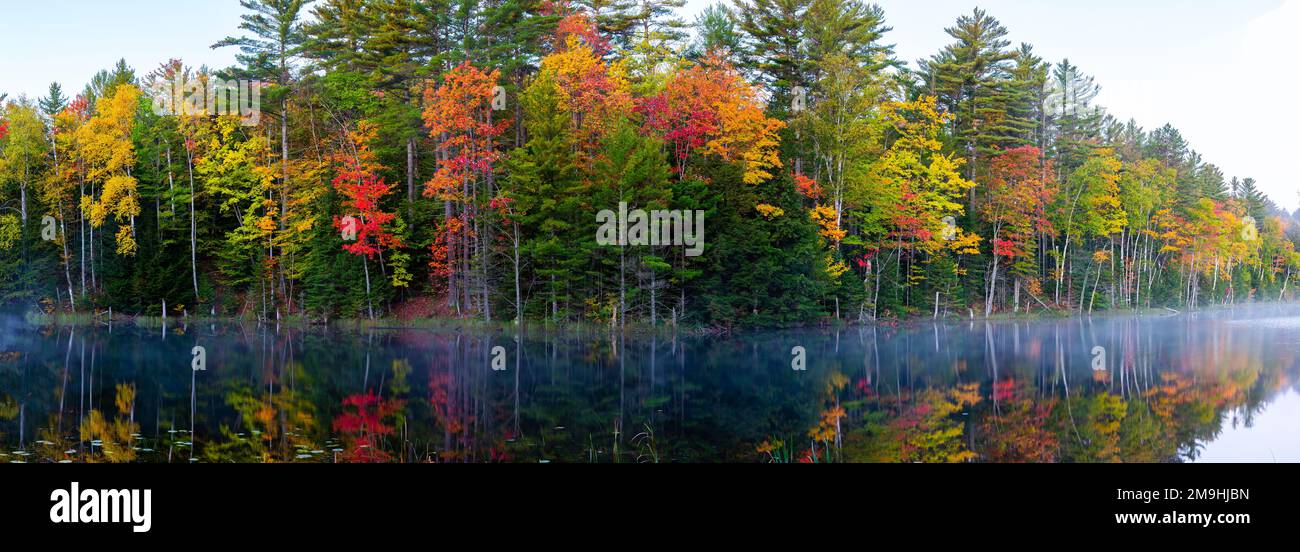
point(1207, 386)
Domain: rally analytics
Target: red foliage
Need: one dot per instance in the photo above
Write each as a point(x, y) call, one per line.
point(709, 107)
point(1006, 248)
point(80, 106)
point(1021, 186)
point(684, 126)
point(1004, 390)
point(362, 425)
point(459, 115)
point(447, 238)
point(808, 187)
point(580, 25)
point(1017, 430)
point(363, 189)
point(445, 407)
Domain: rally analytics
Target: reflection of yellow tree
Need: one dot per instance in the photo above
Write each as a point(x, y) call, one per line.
point(285, 418)
point(8, 408)
point(115, 436)
point(924, 426)
point(1189, 408)
point(1099, 428)
point(827, 431)
point(927, 430)
point(1143, 438)
point(51, 444)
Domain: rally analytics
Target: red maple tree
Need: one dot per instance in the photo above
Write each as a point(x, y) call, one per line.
point(364, 189)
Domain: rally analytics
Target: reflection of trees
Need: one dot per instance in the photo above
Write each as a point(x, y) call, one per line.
point(364, 424)
point(922, 426)
point(1157, 402)
point(113, 440)
point(269, 427)
point(1012, 392)
point(1016, 427)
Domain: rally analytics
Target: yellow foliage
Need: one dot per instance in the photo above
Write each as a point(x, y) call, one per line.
point(125, 398)
point(10, 231)
point(835, 267)
point(745, 130)
point(824, 216)
point(115, 437)
point(965, 243)
point(109, 155)
point(126, 245)
point(769, 212)
point(595, 92)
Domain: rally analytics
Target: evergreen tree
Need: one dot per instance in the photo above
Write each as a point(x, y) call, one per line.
point(969, 79)
point(715, 30)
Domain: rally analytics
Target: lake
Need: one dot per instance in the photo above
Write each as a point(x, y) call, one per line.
point(1206, 386)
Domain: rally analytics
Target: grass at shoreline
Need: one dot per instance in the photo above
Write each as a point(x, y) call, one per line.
point(459, 325)
point(466, 325)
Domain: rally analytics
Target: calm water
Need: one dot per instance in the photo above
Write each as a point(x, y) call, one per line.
point(1212, 387)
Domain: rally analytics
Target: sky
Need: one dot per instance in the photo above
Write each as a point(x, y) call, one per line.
point(1216, 70)
point(1273, 437)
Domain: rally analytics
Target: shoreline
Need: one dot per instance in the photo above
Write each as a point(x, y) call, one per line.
point(637, 329)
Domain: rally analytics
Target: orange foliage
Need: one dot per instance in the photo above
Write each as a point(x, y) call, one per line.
point(710, 109)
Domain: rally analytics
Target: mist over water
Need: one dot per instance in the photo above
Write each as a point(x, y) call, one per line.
point(1215, 385)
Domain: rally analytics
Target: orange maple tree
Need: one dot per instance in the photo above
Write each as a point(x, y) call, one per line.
point(710, 109)
point(458, 114)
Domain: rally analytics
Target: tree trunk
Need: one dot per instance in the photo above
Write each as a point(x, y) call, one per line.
point(194, 256)
point(993, 282)
point(519, 302)
point(370, 307)
point(410, 177)
point(67, 258)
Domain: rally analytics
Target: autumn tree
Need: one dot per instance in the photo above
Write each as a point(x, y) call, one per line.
point(913, 189)
point(459, 116)
point(109, 155)
point(708, 109)
point(234, 171)
point(274, 39)
point(24, 151)
point(1020, 188)
point(368, 226)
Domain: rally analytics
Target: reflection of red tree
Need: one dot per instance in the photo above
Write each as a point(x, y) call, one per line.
point(1016, 429)
point(447, 397)
point(362, 425)
point(498, 455)
point(446, 409)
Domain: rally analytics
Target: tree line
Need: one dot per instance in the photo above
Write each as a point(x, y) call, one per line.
point(448, 158)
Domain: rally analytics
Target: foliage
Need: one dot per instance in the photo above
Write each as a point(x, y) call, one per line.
point(837, 183)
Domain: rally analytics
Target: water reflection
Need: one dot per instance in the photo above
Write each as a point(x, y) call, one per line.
point(1117, 389)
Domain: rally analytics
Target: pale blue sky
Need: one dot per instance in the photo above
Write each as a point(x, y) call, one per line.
point(1274, 437)
point(1219, 71)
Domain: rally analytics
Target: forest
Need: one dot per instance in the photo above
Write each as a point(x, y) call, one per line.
point(449, 158)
